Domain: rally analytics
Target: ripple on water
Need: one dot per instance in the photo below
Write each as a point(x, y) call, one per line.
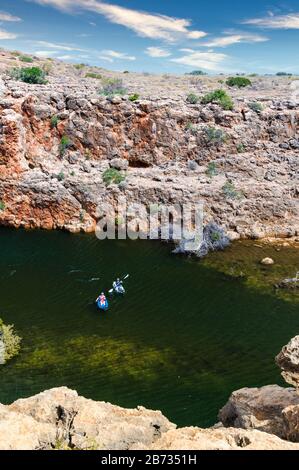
point(186, 334)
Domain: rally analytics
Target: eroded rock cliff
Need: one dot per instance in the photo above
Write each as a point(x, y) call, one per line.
point(251, 189)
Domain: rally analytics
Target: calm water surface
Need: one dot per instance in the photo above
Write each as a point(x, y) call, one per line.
point(183, 338)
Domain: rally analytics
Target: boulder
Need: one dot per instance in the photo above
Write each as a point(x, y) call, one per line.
point(259, 408)
point(288, 361)
point(291, 423)
point(80, 422)
point(267, 261)
point(119, 163)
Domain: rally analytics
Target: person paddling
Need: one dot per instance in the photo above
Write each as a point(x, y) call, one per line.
point(102, 298)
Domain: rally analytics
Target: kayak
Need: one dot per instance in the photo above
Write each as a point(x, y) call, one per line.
point(102, 305)
point(118, 289)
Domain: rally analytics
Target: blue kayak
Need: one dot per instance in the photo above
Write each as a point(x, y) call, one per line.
point(102, 305)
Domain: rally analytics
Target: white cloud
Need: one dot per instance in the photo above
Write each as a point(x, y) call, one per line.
point(65, 57)
point(290, 21)
point(92, 23)
point(196, 34)
point(206, 60)
point(235, 39)
point(145, 24)
point(116, 55)
point(44, 53)
point(108, 59)
point(6, 35)
point(61, 47)
point(8, 17)
point(157, 52)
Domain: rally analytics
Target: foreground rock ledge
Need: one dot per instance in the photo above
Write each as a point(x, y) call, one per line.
point(59, 418)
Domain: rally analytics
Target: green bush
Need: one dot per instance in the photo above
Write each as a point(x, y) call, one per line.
point(220, 97)
point(240, 148)
point(284, 74)
point(60, 176)
point(255, 106)
point(239, 82)
point(212, 169)
point(113, 86)
point(15, 53)
point(98, 76)
point(11, 341)
point(32, 75)
point(79, 66)
point(111, 175)
point(2, 206)
point(64, 144)
point(215, 136)
point(24, 58)
point(230, 192)
point(197, 72)
point(54, 122)
point(191, 127)
point(134, 97)
point(192, 98)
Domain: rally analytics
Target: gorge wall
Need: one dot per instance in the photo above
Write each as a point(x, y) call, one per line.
point(161, 144)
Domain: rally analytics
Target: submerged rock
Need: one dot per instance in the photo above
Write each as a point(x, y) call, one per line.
point(267, 261)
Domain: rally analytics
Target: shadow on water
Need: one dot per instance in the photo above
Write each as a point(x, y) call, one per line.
point(183, 338)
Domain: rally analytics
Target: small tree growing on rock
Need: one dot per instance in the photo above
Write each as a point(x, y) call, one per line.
point(214, 136)
point(10, 340)
point(113, 86)
point(192, 98)
point(112, 175)
point(220, 97)
point(239, 82)
point(65, 143)
point(32, 75)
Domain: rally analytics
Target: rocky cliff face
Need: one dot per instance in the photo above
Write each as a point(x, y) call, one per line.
point(154, 139)
point(262, 419)
point(271, 409)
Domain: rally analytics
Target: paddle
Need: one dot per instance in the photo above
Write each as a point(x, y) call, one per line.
point(123, 279)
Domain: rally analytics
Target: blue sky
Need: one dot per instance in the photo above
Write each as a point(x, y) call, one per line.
point(158, 35)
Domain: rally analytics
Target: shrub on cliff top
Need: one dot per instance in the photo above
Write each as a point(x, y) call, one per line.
point(220, 97)
point(239, 82)
point(32, 75)
point(11, 341)
point(111, 175)
point(97, 76)
point(197, 73)
point(113, 86)
point(192, 98)
point(256, 106)
point(134, 97)
point(24, 58)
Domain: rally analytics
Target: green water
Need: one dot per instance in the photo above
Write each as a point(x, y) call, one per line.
point(183, 338)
